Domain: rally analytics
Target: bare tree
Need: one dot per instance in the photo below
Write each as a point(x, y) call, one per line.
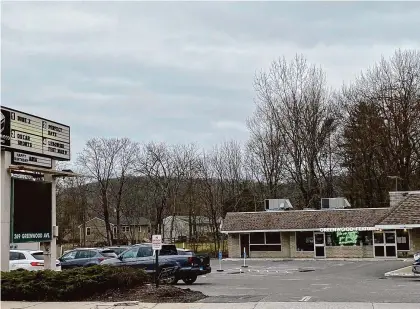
point(124, 168)
point(385, 101)
point(156, 164)
point(295, 98)
point(99, 159)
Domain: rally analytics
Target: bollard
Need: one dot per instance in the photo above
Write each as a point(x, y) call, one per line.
point(245, 266)
point(220, 261)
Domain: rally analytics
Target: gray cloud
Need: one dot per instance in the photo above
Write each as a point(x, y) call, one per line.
point(179, 71)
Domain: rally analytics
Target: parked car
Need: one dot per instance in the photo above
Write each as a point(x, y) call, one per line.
point(205, 267)
point(28, 260)
point(416, 264)
point(119, 249)
point(83, 257)
point(187, 268)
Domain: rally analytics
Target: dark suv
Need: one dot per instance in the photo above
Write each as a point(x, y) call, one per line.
point(81, 257)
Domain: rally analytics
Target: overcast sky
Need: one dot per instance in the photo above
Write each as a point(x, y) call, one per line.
point(179, 72)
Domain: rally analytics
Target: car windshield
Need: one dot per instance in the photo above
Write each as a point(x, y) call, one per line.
point(38, 255)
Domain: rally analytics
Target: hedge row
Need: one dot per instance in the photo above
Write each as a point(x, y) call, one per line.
point(69, 285)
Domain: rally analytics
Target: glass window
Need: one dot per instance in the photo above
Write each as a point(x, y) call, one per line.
point(85, 254)
point(168, 250)
point(379, 251)
point(129, 254)
point(272, 238)
point(13, 256)
point(319, 238)
point(69, 256)
point(38, 255)
point(87, 231)
point(304, 241)
point(391, 251)
point(365, 238)
point(403, 240)
point(257, 238)
point(378, 237)
point(145, 252)
point(390, 238)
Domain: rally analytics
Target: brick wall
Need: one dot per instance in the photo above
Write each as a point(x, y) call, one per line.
point(415, 241)
point(234, 251)
point(349, 251)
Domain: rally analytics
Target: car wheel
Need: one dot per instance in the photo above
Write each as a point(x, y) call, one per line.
point(190, 280)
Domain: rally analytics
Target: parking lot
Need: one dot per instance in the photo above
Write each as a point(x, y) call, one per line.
point(308, 281)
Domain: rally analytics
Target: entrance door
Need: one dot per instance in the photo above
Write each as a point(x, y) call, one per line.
point(384, 244)
point(319, 242)
point(244, 243)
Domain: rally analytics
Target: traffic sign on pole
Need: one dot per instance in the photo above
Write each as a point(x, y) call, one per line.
point(157, 242)
point(156, 246)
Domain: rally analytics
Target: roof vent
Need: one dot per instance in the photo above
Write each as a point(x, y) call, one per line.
point(277, 204)
point(335, 203)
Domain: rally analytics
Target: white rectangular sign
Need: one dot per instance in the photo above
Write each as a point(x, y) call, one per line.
point(29, 159)
point(34, 135)
point(157, 242)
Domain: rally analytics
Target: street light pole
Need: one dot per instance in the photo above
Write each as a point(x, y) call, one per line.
point(396, 181)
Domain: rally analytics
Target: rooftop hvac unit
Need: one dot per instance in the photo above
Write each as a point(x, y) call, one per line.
point(277, 204)
point(335, 203)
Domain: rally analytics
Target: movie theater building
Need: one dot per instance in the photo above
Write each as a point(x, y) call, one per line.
point(335, 231)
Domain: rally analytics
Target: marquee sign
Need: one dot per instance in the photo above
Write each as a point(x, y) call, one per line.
point(30, 214)
point(34, 135)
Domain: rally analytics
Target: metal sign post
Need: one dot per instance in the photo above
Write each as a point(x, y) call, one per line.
point(245, 266)
point(220, 261)
point(156, 246)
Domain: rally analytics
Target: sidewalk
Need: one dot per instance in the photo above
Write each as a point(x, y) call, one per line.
point(404, 272)
point(134, 305)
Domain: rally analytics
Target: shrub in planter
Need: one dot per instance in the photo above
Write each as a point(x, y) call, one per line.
point(69, 285)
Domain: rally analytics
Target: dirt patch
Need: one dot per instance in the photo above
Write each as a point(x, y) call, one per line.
point(150, 294)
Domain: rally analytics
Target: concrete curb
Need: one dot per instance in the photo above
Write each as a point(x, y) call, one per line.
point(324, 259)
point(401, 273)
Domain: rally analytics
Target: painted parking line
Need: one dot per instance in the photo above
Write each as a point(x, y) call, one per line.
point(305, 298)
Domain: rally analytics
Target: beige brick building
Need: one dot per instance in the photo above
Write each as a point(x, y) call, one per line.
point(331, 233)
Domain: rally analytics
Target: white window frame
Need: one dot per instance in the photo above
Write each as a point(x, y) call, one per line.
point(86, 231)
point(125, 228)
point(114, 230)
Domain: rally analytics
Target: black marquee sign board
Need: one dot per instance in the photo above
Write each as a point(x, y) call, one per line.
point(31, 218)
point(36, 136)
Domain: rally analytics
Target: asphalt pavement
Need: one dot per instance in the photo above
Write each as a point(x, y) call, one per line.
point(308, 281)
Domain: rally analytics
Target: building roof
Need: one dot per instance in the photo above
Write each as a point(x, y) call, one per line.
point(405, 213)
point(302, 219)
point(124, 221)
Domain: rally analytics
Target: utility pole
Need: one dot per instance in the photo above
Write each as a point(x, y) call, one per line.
point(396, 181)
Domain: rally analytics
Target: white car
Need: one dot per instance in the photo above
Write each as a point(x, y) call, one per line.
point(28, 260)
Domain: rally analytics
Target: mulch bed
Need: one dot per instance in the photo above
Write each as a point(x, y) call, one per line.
point(150, 294)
